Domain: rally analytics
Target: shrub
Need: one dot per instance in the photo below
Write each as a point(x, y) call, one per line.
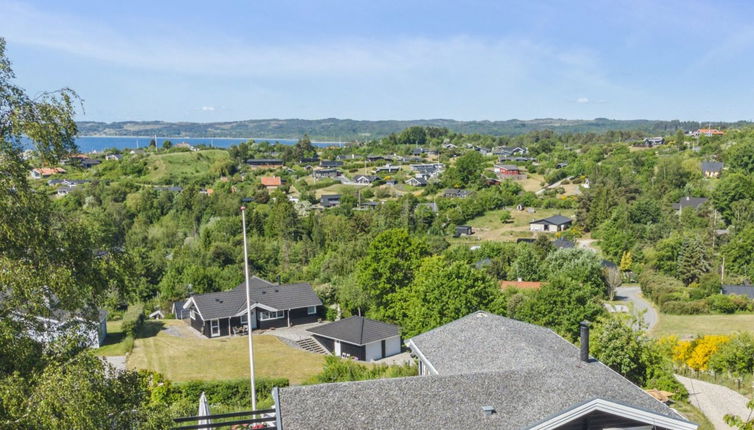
point(232, 393)
point(133, 319)
point(722, 303)
point(695, 307)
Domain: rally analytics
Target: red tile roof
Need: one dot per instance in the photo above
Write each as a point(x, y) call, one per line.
point(271, 181)
point(522, 285)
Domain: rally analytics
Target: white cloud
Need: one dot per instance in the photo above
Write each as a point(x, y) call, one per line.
point(507, 62)
point(208, 108)
point(582, 100)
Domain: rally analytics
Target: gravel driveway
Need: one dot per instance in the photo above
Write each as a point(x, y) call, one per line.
point(715, 401)
point(633, 295)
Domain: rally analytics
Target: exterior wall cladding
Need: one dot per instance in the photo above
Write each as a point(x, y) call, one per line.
point(345, 348)
point(298, 316)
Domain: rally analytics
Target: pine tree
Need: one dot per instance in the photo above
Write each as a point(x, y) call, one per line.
point(692, 261)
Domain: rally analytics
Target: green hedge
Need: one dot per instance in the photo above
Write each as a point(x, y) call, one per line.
point(227, 394)
point(133, 319)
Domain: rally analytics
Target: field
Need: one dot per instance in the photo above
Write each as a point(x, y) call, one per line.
point(180, 167)
point(686, 326)
point(180, 354)
point(489, 227)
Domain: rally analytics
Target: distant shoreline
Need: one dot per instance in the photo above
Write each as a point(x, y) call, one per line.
point(266, 139)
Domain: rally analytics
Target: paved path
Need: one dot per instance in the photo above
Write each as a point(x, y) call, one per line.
point(633, 295)
point(715, 401)
point(117, 361)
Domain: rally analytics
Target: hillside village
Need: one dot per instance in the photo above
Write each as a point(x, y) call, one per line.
point(376, 215)
point(358, 251)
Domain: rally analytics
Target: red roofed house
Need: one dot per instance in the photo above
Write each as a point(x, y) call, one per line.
point(44, 172)
point(521, 285)
point(710, 132)
point(272, 182)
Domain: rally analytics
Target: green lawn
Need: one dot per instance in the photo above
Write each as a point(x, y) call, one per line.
point(181, 166)
point(115, 343)
point(685, 326)
point(189, 357)
point(489, 227)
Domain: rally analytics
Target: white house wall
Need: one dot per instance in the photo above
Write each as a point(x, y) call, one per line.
point(392, 346)
point(373, 351)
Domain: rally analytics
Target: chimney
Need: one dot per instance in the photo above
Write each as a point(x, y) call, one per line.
point(584, 331)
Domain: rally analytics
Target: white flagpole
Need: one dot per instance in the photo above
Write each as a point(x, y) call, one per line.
point(248, 310)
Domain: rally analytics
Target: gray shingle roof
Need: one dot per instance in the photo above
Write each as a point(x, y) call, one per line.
point(690, 202)
point(528, 374)
point(281, 297)
point(554, 220)
point(357, 330)
point(741, 290)
point(508, 344)
point(712, 166)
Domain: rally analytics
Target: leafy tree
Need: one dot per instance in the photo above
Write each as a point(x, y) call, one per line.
point(526, 266)
point(388, 267)
point(736, 356)
point(48, 267)
point(578, 264)
point(561, 305)
point(166, 144)
point(739, 257)
point(731, 188)
point(740, 157)
point(626, 350)
point(442, 292)
point(626, 260)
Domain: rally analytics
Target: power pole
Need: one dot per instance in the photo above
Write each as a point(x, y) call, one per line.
point(248, 311)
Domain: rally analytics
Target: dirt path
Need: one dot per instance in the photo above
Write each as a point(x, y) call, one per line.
point(715, 401)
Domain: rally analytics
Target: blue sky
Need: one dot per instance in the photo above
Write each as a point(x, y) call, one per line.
point(471, 60)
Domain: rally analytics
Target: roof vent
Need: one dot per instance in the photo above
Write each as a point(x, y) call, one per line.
point(488, 410)
point(264, 292)
point(276, 290)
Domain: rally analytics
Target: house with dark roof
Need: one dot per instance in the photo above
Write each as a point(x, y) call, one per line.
point(363, 338)
point(176, 308)
point(330, 200)
point(417, 181)
point(689, 202)
point(365, 179)
point(264, 163)
point(463, 230)
point(88, 163)
point(325, 173)
point(551, 224)
point(387, 168)
point(273, 305)
point(328, 164)
point(738, 290)
point(712, 169)
point(487, 372)
point(561, 243)
point(455, 193)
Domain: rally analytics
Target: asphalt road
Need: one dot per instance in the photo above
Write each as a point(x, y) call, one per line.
point(633, 295)
point(715, 401)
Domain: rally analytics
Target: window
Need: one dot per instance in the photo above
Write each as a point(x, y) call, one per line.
point(193, 315)
point(214, 328)
point(243, 319)
point(311, 310)
point(274, 315)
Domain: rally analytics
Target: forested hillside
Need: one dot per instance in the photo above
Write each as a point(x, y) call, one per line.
point(333, 129)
